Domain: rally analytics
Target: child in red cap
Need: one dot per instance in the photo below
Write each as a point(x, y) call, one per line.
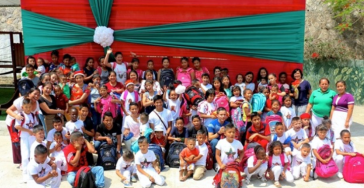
point(306, 125)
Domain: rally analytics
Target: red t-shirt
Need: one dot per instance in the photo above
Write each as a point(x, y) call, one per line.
point(187, 153)
point(61, 101)
point(161, 141)
point(117, 86)
point(70, 152)
point(263, 131)
point(77, 92)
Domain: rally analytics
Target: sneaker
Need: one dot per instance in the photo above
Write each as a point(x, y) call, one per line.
point(133, 178)
point(216, 167)
point(340, 175)
point(247, 181)
point(127, 184)
point(263, 179)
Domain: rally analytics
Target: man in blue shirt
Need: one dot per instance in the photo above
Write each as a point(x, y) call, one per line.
point(216, 128)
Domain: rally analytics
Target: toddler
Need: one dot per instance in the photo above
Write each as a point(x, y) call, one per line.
point(188, 158)
point(57, 151)
point(301, 163)
point(125, 168)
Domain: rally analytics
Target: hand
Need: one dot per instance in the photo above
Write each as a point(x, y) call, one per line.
point(19, 117)
point(62, 112)
point(259, 112)
point(222, 130)
point(108, 140)
point(306, 179)
point(77, 146)
point(151, 179)
point(157, 170)
point(237, 160)
point(114, 100)
point(53, 158)
point(97, 100)
point(83, 129)
point(259, 162)
point(118, 155)
point(177, 139)
point(352, 154)
point(347, 124)
point(252, 137)
point(164, 88)
point(283, 174)
point(109, 51)
point(222, 167)
point(133, 54)
point(126, 132)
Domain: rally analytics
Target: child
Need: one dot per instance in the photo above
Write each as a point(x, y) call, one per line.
point(159, 139)
point(184, 73)
point(173, 103)
point(282, 136)
point(249, 76)
point(57, 127)
point(57, 154)
point(330, 133)
point(25, 127)
point(144, 119)
point(217, 72)
point(236, 103)
point(106, 102)
point(94, 95)
point(179, 132)
point(89, 70)
point(278, 164)
point(125, 168)
point(273, 93)
point(320, 141)
point(150, 66)
point(283, 81)
point(240, 82)
point(165, 74)
point(148, 96)
point(41, 69)
point(188, 158)
point(31, 76)
point(207, 107)
point(196, 122)
point(258, 132)
point(218, 87)
point(88, 127)
point(301, 163)
point(306, 124)
point(38, 132)
point(224, 72)
point(134, 67)
point(74, 124)
point(155, 84)
point(199, 71)
point(133, 75)
point(55, 64)
point(61, 101)
point(30, 61)
point(205, 84)
point(44, 78)
point(268, 104)
point(247, 111)
point(131, 127)
point(200, 165)
point(65, 86)
point(271, 121)
point(262, 73)
point(343, 147)
point(263, 83)
point(287, 111)
point(128, 96)
point(227, 85)
point(147, 167)
point(257, 164)
point(74, 65)
point(228, 149)
point(54, 78)
point(42, 171)
point(297, 134)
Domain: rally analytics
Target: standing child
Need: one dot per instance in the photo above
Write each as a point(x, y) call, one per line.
point(278, 164)
point(30, 74)
point(61, 101)
point(330, 133)
point(150, 66)
point(200, 165)
point(88, 127)
point(147, 167)
point(205, 84)
point(65, 86)
point(148, 96)
point(41, 69)
point(283, 81)
point(173, 103)
point(188, 158)
point(207, 107)
point(38, 132)
point(95, 94)
point(134, 67)
point(106, 102)
point(257, 165)
point(306, 125)
point(249, 84)
point(165, 74)
point(287, 111)
point(42, 171)
point(54, 78)
point(133, 75)
point(199, 71)
point(184, 73)
point(268, 104)
point(301, 163)
point(240, 81)
point(74, 124)
point(155, 84)
point(159, 139)
point(89, 70)
point(227, 86)
point(57, 154)
point(144, 120)
point(247, 111)
point(274, 116)
point(236, 104)
point(217, 72)
point(179, 132)
point(125, 169)
point(297, 134)
point(129, 96)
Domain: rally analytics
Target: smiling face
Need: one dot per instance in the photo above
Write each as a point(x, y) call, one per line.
point(341, 88)
point(84, 112)
point(217, 85)
point(197, 64)
point(34, 96)
point(47, 89)
point(277, 150)
point(346, 138)
point(305, 151)
point(248, 95)
point(119, 58)
point(79, 79)
point(90, 63)
point(30, 71)
point(165, 63)
point(263, 73)
point(324, 85)
point(149, 76)
point(179, 124)
point(287, 102)
point(184, 64)
point(134, 109)
point(173, 95)
point(217, 72)
point(196, 123)
point(297, 75)
point(222, 116)
point(74, 115)
point(108, 122)
point(248, 78)
point(201, 139)
point(283, 78)
point(158, 104)
point(272, 79)
point(54, 59)
point(112, 77)
point(133, 76)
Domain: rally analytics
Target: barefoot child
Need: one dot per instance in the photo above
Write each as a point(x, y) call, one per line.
point(200, 165)
point(125, 168)
point(188, 158)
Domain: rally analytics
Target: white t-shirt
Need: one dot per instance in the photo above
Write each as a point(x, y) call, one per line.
point(234, 98)
point(298, 159)
point(133, 126)
point(206, 87)
point(50, 135)
point(120, 70)
point(39, 169)
point(347, 148)
point(174, 107)
point(203, 151)
point(331, 136)
point(297, 136)
point(207, 108)
point(129, 96)
point(29, 122)
point(18, 103)
point(33, 146)
point(74, 126)
point(122, 165)
point(58, 154)
point(242, 86)
point(280, 139)
point(276, 160)
point(285, 112)
point(144, 127)
point(145, 160)
point(156, 87)
point(250, 162)
point(229, 151)
point(165, 115)
point(41, 69)
point(317, 143)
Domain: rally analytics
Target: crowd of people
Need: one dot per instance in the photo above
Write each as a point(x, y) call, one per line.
point(73, 113)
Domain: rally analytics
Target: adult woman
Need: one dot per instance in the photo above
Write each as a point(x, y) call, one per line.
point(262, 74)
point(342, 109)
point(249, 76)
point(79, 92)
point(301, 91)
point(320, 102)
point(113, 86)
point(47, 103)
point(14, 112)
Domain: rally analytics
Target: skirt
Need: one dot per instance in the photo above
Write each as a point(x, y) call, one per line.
point(338, 122)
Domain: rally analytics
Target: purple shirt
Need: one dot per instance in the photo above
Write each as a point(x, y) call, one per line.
point(341, 103)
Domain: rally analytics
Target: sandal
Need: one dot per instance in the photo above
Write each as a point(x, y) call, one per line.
point(183, 178)
point(277, 184)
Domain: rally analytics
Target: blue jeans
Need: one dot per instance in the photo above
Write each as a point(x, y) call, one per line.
point(97, 171)
point(41, 118)
point(96, 117)
point(213, 144)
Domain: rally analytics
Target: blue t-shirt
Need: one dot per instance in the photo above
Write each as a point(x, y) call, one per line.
point(272, 113)
point(303, 89)
point(215, 126)
point(177, 134)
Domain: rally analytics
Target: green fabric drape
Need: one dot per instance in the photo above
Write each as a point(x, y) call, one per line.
point(277, 36)
point(101, 10)
point(43, 33)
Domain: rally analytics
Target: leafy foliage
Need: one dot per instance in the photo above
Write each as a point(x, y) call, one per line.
point(319, 49)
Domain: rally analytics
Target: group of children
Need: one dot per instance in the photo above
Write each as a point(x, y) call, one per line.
point(222, 121)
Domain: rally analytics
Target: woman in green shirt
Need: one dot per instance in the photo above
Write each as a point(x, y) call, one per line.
point(320, 102)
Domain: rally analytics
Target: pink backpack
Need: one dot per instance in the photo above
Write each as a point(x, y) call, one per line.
point(184, 110)
point(354, 169)
point(247, 154)
point(271, 121)
point(329, 169)
point(282, 161)
point(223, 101)
point(125, 94)
point(185, 76)
point(107, 105)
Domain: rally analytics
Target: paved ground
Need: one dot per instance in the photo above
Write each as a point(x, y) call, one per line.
point(10, 175)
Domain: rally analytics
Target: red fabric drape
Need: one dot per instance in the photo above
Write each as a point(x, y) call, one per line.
point(131, 14)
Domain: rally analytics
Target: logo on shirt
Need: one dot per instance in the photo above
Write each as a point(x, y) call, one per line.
point(296, 140)
point(230, 154)
point(41, 173)
point(30, 125)
point(276, 164)
point(145, 164)
point(298, 162)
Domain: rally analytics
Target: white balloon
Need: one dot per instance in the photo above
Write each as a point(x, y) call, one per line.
point(104, 36)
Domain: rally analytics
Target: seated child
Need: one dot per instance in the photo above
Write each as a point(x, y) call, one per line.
point(205, 85)
point(75, 154)
point(282, 137)
point(306, 125)
point(57, 124)
point(196, 122)
point(95, 94)
point(297, 134)
point(179, 132)
point(263, 83)
point(42, 171)
point(301, 163)
point(125, 168)
point(228, 149)
point(40, 64)
point(200, 165)
point(144, 120)
point(278, 164)
point(57, 151)
point(61, 101)
point(188, 158)
point(74, 124)
point(257, 165)
point(159, 139)
point(258, 132)
point(147, 167)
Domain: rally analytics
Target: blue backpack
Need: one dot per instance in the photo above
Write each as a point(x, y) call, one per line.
point(287, 141)
point(258, 102)
point(107, 156)
point(158, 154)
point(24, 85)
point(173, 154)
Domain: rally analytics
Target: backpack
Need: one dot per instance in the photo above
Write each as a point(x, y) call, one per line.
point(184, 109)
point(223, 101)
point(329, 169)
point(258, 102)
point(166, 77)
point(193, 95)
point(84, 178)
point(271, 120)
point(173, 154)
point(229, 177)
point(185, 76)
point(125, 95)
point(209, 158)
point(354, 169)
point(237, 118)
point(287, 141)
point(107, 156)
point(158, 154)
point(15, 133)
point(109, 106)
point(247, 154)
point(24, 85)
point(282, 161)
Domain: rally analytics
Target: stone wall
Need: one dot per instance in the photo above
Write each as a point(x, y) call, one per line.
point(10, 19)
